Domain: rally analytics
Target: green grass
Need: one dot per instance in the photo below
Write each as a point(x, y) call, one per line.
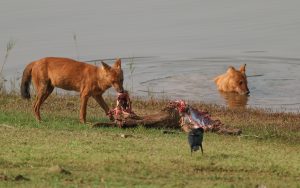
point(102, 158)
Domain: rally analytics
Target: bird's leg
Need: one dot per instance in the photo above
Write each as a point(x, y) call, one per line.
point(201, 148)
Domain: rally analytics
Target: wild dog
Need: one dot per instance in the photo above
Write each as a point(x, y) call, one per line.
point(234, 100)
point(233, 81)
point(68, 74)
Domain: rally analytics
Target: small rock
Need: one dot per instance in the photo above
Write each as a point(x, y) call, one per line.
point(58, 170)
point(260, 186)
point(102, 180)
point(126, 135)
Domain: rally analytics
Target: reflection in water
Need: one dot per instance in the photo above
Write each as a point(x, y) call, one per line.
point(234, 100)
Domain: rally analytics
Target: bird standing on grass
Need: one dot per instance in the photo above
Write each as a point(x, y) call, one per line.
point(196, 122)
point(195, 138)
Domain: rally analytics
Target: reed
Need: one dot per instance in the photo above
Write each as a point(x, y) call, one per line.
point(9, 46)
point(131, 71)
point(76, 46)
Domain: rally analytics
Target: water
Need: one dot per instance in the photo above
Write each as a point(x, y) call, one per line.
point(184, 44)
point(273, 82)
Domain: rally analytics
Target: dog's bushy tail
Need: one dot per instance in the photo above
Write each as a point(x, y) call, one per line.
point(25, 83)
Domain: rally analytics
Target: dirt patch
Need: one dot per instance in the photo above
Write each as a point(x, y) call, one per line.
point(21, 178)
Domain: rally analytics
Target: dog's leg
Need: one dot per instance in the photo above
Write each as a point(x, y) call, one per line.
point(36, 107)
point(46, 95)
point(41, 100)
point(43, 89)
point(83, 103)
point(101, 102)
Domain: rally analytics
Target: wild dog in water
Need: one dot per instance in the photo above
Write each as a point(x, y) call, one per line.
point(68, 74)
point(233, 81)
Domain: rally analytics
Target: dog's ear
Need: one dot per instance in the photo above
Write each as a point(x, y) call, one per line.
point(230, 70)
point(117, 64)
point(243, 69)
point(105, 66)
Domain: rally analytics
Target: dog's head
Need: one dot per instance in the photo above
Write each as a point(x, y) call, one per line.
point(114, 75)
point(233, 81)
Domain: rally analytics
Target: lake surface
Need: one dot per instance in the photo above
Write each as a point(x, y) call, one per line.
point(181, 45)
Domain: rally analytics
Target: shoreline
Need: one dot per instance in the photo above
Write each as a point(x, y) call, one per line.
point(262, 123)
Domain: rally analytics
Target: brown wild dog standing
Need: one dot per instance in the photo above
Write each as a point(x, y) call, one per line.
point(233, 81)
point(68, 74)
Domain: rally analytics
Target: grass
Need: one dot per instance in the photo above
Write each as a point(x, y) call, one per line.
point(267, 156)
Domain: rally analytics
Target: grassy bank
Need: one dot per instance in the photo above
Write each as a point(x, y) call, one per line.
point(267, 153)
